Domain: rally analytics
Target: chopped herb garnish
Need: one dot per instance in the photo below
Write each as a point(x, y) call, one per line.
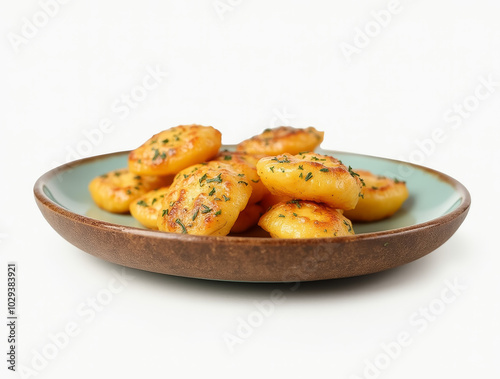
point(296, 202)
point(186, 176)
point(227, 157)
point(324, 170)
point(166, 140)
point(164, 212)
point(205, 209)
point(295, 214)
point(218, 212)
point(301, 167)
point(375, 188)
point(301, 176)
point(241, 175)
point(271, 168)
point(361, 195)
point(308, 176)
point(203, 178)
point(245, 183)
point(313, 158)
point(142, 203)
point(212, 191)
point(348, 226)
point(178, 221)
point(255, 181)
point(154, 201)
point(129, 192)
point(195, 214)
point(157, 153)
point(284, 160)
point(225, 198)
point(117, 173)
point(280, 215)
point(217, 179)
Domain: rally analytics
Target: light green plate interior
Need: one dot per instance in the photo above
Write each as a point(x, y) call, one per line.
point(430, 197)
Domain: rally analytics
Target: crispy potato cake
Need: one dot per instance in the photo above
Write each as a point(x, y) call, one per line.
point(245, 163)
point(115, 190)
point(381, 197)
point(145, 208)
point(305, 219)
point(248, 217)
point(174, 149)
point(310, 176)
point(205, 199)
point(281, 140)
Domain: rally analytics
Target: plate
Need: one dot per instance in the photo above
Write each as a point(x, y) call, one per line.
point(437, 206)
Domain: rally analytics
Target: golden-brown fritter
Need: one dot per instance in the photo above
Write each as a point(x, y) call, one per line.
point(310, 176)
point(248, 218)
point(305, 219)
point(204, 199)
point(174, 149)
point(245, 163)
point(115, 190)
point(281, 140)
point(145, 209)
point(381, 197)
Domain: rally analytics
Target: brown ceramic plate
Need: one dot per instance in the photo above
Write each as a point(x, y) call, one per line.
point(437, 206)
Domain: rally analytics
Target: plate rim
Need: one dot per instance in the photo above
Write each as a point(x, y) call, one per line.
point(262, 241)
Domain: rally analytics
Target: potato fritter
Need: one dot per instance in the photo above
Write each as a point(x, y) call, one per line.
point(204, 199)
point(310, 176)
point(245, 163)
point(281, 140)
point(145, 209)
point(248, 217)
point(381, 197)
point(305, 219)
point(174, 149)
point(115, 190)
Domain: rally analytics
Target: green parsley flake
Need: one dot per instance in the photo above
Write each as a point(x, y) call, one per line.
point(217, 179)
point(308, 176)
point(195, 214)
point(178, 221)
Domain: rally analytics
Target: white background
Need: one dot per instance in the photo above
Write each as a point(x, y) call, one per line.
point(242, 68)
